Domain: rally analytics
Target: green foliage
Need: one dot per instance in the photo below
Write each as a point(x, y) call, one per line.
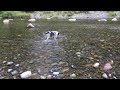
point(111, 13)
point(10, 14)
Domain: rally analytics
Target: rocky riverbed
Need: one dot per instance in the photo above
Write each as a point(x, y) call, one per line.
point(85, 49)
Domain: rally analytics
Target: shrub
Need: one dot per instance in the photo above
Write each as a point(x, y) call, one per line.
point(111, 13)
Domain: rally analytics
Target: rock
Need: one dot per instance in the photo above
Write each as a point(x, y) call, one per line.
point(78, 53)
point(105, 76)
point(55, 73)
point(107, 67)
point(73, 75)
point(71, 19)
point(49, 77)
point(26, 74)
point(9, 70)
point(102, 20)
point(96, 65)
point(31, 20)
point(54, 64)
point(4, 62)
point(31, 61)
point(30, 25)
point(17, 65)
point(6, 21)
point(114, 77)
point(65, 70)
point(18, 55)
point(114, 19)
point(61, 63)
point(48, 18)
point(109, 75)
point(2, 77)
point(14, 72)
point(42, 77)
point(9, 63)
point(102, 40)
point(10, 19)
point(91, 58)
point(15, 58)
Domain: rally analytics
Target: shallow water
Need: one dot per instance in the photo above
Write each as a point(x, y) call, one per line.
point(95, 41)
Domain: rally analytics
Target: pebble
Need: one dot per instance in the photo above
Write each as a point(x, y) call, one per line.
point(73, 75)
point(91, 58)
point(114, 77)
point(54, 64)
point(42, 77)
point(107, 67)
point(9, 63)
point(9, 70)
point(17, 65)
point(61, 63)
point(2, 77)
point(55, 73)
point(105, 76)
point(26, 74)
point(14, 72)
point(15, 58)
point(78, 53)
point(96, 65)
point(65, 70)
point(4, 62)
point(49, 77)
point(18, 55)
point(31, 61)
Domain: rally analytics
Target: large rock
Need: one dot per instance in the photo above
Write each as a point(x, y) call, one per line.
point(26, 74)
point(31, 20)
point(6, 21)
point(30, 25)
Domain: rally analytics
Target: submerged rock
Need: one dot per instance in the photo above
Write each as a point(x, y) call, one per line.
point(73, 75)
point(42, 77)
point(105, 76)
point(30, 25)
point(9, 63)
point(9, 70)
point(14, 72)
point(107, 67)
point(26, 74)
point(55, 73)
point(31, 20)
point(96, 65)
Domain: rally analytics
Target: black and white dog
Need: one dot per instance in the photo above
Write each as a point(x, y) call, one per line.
point(51, 34)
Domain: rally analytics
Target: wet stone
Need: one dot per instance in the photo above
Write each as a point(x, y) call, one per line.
point(49, 77)
point(73, 75)
point(54, 64)
point(31, 61)
point(9, 63)
point(4, 62)
point(17, 65)
point(42, 77)
point(14, 72)
point(9, 70)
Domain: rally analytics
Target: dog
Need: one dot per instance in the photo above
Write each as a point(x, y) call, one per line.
point(51, 34)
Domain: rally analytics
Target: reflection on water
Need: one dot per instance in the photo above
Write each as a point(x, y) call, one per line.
point(95, 41)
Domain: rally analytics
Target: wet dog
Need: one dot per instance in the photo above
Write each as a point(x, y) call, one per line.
point(51, 34)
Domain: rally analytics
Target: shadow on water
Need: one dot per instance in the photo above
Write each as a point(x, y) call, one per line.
point(94, 41)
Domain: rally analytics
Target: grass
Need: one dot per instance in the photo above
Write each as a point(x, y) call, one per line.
point(111, 14)
point(9, 14)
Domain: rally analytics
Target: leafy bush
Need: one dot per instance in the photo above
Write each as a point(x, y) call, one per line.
point(111, 13)
point(10, 14)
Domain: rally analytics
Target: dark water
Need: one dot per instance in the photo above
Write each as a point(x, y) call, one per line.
point(27, 47)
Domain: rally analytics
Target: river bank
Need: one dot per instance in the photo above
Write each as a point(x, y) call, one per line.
point(75, 14)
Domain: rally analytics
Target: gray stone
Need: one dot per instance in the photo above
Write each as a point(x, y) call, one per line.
point(54, 64)
point(55, 73)
point(4, 62)
point(49, 77)
point(17, 65)
point(105, 76)
point(14, 72)
point(9, 63)
point(42, 77)
point(73, 75)
point(9, 70)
